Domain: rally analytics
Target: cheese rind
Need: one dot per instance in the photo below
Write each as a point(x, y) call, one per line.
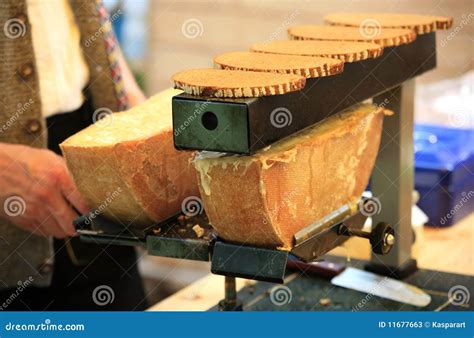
point(126, 166)
point(264, 199)
point(421, 24)
point(385, 37)
point(307, 66)
point(236, 83)
point(348, 51)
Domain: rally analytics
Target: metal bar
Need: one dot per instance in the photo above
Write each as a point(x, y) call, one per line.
point(99, 230)
point(111, 240)
point(335, 217)
point(392, 178)
point(230, 301)
point(327, 239)
point(192, 249)
point(247, 125)
point(230, 289)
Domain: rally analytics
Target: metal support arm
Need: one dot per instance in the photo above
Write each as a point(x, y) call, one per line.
point(392, 179)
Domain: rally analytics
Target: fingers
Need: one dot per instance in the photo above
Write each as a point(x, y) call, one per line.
point(63, 214)
point(50, 227)
point(32, 212)
point(43, 225)
point(47, 191)
point(60, 197)
point(71, 193)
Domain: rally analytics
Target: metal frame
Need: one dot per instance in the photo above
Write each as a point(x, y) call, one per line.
point(248, 127)
point(173, 239)
point(392, 180)
point(389, 80)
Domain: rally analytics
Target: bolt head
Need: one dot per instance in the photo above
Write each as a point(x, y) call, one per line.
point(389, 239)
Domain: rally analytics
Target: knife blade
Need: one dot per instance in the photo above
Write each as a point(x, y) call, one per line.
point(381, 286)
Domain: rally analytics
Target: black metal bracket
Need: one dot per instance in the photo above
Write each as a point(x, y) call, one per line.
point(249, 262)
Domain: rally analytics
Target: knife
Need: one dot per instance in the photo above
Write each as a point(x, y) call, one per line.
point(364, 281)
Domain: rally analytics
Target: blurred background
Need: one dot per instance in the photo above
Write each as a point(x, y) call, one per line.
point(161, 37)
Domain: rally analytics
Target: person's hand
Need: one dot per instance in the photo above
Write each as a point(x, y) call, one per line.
point(37, 193)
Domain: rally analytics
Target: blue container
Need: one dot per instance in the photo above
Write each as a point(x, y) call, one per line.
point(444, 173)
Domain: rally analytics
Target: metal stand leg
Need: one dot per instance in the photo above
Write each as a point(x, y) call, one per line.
point(230, 303)
point(392, 180)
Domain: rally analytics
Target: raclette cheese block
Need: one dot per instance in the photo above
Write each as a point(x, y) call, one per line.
point(126, 167)
point(421, 24)
point(236, 83)
point(308, 66)
point(265, 198)
point(385, 37)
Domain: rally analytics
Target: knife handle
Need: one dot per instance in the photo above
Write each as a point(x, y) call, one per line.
point(324, 269)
